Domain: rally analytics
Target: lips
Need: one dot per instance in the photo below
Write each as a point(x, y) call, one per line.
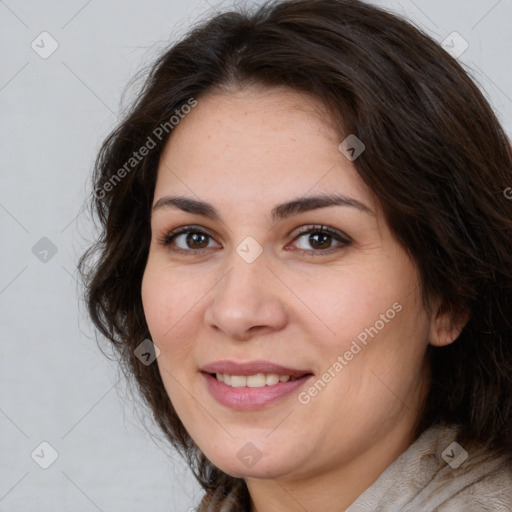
point(252, 368)
point(246, 396)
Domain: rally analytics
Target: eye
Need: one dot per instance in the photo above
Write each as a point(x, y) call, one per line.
point(188, 240)
point(321, 238)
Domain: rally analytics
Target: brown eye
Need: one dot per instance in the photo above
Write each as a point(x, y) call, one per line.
point(320, 240)
point(188, 240)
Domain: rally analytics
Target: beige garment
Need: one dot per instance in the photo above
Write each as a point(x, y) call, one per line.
point(421, 480)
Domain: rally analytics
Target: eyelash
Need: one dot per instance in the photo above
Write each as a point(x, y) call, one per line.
point(344, 240)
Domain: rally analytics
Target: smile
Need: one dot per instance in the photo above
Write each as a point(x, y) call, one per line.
point(239, 394)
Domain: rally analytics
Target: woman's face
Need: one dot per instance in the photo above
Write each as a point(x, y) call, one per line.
point(249, 281)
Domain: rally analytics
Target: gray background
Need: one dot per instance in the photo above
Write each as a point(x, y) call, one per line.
point(55, 384)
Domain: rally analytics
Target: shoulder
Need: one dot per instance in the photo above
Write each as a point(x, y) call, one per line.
point(480, 481)
point(437, 474)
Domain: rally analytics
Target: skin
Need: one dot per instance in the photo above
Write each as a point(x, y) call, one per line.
point(245, 151)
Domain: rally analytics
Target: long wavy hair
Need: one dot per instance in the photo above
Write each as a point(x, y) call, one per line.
point(436, 157)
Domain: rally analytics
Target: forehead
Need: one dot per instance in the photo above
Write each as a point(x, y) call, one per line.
point(240, 145)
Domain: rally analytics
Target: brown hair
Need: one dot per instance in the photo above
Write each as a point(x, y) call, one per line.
point(436, 157)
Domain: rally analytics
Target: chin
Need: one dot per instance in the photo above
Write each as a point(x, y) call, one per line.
point(263, 467)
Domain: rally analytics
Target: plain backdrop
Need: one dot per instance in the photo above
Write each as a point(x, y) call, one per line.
point(56, 386)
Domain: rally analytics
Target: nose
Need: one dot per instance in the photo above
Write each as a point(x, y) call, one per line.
point(248, 301)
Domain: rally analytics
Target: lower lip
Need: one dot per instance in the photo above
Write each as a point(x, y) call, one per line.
point(251, 398)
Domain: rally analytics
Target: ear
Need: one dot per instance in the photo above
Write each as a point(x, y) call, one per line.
point(446, 326)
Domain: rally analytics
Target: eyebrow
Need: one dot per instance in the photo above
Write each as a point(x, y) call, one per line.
point(279, 212)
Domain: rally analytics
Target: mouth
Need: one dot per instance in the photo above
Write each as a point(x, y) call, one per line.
point(252, 384)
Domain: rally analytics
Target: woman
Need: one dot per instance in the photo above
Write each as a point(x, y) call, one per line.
point(305, 213)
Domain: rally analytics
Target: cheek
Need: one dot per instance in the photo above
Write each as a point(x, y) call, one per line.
point(165, 302)
point(376, 305)
point(154, 298)
point(346, 301)
point(164, 305)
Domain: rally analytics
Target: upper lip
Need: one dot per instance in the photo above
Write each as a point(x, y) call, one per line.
point(251, 368)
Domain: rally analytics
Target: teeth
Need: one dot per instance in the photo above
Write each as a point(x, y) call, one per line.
point(237, 381)
point(252, 381)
